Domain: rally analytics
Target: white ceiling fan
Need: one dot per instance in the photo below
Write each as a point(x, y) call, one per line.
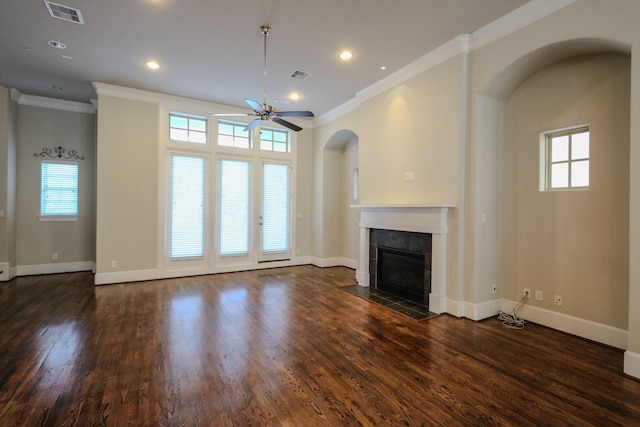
point(267, 112)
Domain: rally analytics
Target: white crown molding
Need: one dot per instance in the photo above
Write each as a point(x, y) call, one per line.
point(439, 55)
point(336, 112)
point(462, 44)
point(52, 103)
point(516, 20)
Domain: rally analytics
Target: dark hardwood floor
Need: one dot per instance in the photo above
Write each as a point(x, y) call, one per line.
point(284, 347)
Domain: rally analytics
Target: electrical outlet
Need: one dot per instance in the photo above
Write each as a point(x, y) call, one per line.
point(527, 292)
point(538, 295)
point(557, 300)
point(54, 256)
point(494, 288)
point(114, 264)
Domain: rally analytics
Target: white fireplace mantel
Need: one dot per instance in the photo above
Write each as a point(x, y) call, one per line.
point(423, 218)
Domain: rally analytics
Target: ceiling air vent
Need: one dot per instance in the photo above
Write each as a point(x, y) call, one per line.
point(299, 75)
point(63, 12)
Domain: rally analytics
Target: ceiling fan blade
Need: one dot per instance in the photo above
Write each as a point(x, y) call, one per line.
point(287, 124)
point(253, 104)
point(295, 114)
point(230, 114)
point(252, 125)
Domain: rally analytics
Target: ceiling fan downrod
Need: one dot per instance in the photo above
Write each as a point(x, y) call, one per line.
point(264, 30)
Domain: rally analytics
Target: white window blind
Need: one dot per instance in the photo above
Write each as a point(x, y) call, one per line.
point(234, 207)
point(59, 189)
point(187, 206)
point(275, 228)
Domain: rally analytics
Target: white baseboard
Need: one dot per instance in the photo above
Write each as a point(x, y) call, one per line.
point(107, 278)
point(5, 268)
point(334, 262)
point(60, 267)
point(363, 278)
point(598, 332)
point(632, 364)
point(482, 310)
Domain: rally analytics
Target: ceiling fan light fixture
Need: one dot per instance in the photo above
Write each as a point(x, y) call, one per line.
point(266, 112)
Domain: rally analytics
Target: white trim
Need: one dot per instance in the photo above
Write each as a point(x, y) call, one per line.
point(482, 310)
point(516, 20)
point(60, 218)
point(632, 364)
point(5, 267)
point(598, 332)
point(154, 274)
point(432, 59)
point(464, 43)
point(52, 103)
point(61, 267)
point(334, 262)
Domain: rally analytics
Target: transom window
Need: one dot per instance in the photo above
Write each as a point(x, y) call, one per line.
point(187, 128)
point(566, 159)
point(232, 134)
point(272, 139)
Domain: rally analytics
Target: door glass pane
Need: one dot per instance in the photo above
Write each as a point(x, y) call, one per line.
point(275, 210)
point(234, 207)
point(187, 206)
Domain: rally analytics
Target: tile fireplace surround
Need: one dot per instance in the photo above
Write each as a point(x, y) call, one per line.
point(417, 218)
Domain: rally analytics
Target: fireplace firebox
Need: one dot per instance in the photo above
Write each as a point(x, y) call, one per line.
point(400, 263)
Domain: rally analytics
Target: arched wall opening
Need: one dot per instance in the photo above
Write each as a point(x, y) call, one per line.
point(545, 240)
point(340, 172)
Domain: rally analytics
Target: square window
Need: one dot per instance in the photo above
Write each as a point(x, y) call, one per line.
point(565, 159)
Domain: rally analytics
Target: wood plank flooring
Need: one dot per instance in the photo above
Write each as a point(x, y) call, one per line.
point(284, 347)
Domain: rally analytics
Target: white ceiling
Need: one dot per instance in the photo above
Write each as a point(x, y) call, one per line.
point(213, 50)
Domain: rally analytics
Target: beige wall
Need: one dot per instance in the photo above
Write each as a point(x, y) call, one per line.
point(37, 240)
point(127, 185)
point(570, 243)
point(8, 130)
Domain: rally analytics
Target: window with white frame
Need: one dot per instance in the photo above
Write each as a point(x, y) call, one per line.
point(565, 159)
point(59, 189)
point(274, 139)
point(187, 206)
point(233, 134)
point(187, 128)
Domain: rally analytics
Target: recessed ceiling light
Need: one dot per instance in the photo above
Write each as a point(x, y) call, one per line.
point(153, 65)
point(57, 44)
point(346, 55)
point(383, 67)
point(28, 49)
point(294, 96)
point(67, 57)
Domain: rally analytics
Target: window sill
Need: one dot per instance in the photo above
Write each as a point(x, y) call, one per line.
point(63, 218)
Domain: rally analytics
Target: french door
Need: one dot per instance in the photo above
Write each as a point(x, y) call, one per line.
point(254, 207)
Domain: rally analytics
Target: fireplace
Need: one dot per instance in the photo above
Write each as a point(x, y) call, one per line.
point(400, 263)
point(429, 220)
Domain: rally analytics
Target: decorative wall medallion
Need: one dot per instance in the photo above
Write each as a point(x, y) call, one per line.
point(59, 152)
